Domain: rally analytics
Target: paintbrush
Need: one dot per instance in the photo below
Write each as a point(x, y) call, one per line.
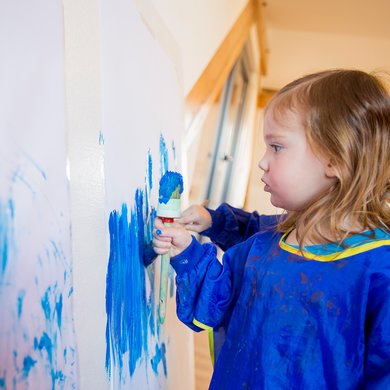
point(171, 187)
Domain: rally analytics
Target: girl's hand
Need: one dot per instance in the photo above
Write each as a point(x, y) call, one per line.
point(174, 238)
point(196, 218)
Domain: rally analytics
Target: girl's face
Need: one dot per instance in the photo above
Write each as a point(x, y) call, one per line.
point(293, 174)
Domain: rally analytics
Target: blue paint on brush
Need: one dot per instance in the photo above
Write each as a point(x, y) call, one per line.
point(21, 296)
point(169, 183)
point(28, 364)
point(158, 358)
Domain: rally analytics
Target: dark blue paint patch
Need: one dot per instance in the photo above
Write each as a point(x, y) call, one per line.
point(158, 358)
point(171, 185)
point(28, 364)
point(21, 296)
point(2, 383)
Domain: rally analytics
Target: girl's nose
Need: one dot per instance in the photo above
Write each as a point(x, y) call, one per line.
point(263, 164)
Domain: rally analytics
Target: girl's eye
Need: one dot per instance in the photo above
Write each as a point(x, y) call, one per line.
point(276, 148)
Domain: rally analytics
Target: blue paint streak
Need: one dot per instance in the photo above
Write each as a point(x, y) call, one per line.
point(158, 358)
point(45, 343)
point(170, 182)
point(45, 303)
point(28, 364)
point(126, 302)
point(70, 292)
point(150, 170)
point(2, 382)
point(163, 156)
point(101, 138)
point(21, 296)
point(6, 219)
point(59, 312)
point(131, 309)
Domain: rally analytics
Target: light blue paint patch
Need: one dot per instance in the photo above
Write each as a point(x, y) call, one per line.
point(70, 292)
point(158, 358)
point(21, 296)
point(6, 223)
point(28, 364)
point(59, 312)
point(45, 303)
point(169, 183)
point(101, 138)
point(164, 160)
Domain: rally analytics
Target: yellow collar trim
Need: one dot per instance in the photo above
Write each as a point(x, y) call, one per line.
point(333, 256)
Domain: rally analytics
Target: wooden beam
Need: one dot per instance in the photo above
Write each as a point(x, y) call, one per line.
point(259, 6)
point(216, 72)
point(211, 81)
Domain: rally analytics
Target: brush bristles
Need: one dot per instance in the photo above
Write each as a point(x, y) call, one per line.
point(176, 194)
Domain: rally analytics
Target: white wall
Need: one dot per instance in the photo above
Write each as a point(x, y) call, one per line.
point(195, 31)
point(199, 27)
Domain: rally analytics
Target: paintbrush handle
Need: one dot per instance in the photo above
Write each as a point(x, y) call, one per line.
point(164, 273)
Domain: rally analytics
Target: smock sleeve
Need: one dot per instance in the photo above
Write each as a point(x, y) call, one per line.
point(231, 225)
point(206, 289)
point(377, 371)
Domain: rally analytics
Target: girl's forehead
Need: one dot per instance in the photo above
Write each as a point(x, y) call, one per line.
point(283, 120)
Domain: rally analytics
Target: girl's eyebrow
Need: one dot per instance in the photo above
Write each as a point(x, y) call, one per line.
point(274, 136)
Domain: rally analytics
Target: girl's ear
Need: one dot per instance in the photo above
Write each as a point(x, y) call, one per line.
point(330, 170)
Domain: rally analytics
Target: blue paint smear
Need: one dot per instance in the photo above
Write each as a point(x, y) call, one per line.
point(59, 312)
point(21, 296)
point(150, 170)
point(163, 156)
point(101, 138)
point(70, 292)
point(45, 303)
point(2, 382)
point(45, 343)
point(169, 183)
point(158, 358)
point(131, 308)
point(126, 305)
point(6, 223)
point(28, 364)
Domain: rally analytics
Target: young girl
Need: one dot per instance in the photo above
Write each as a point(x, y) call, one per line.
point(303, 299)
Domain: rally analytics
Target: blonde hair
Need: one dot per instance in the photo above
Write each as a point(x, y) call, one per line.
point(346, 117)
